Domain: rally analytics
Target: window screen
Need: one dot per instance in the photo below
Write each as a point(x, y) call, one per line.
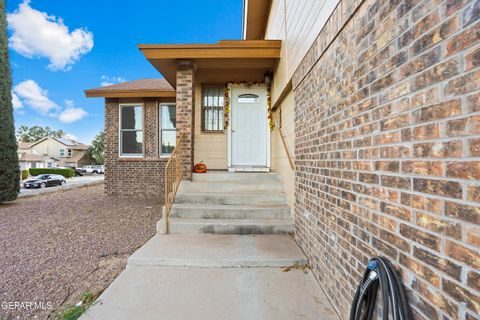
point(131, 131)
point(168, 127)
point(212, 108)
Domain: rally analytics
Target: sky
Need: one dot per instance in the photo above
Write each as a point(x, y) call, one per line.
point(59, 48)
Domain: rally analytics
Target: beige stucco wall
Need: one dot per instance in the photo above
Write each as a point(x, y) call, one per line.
point(212, 147)
point(279, 159)
point(297, 23)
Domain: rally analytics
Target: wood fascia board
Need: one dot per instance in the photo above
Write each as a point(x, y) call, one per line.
point(224, 49)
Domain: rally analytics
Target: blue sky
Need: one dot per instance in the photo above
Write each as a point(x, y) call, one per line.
point(59, 48)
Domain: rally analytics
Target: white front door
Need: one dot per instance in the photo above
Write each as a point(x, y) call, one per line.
point(249, 132)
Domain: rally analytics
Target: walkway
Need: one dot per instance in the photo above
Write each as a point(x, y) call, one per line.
point(229, 255)
point(178, 277)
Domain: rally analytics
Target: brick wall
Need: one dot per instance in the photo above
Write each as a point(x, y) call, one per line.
point(186, 113)
point(387, 146)
point(142, 177)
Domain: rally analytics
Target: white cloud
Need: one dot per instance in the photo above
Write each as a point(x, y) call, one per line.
point(37, 34)
point(70, 113)
point(34, 96)
point(108, 81)
point(30, 93)
point(16, 102)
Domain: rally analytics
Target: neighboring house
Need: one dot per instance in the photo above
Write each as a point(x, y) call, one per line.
point(68, 152)
point(24, 147)
point(378, 104)
point(29, 160)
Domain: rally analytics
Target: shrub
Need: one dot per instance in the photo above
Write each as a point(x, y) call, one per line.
point(24, 174)
point(9, 182)
point(66, 172)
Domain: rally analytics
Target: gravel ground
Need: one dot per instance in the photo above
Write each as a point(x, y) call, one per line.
point(56, 246)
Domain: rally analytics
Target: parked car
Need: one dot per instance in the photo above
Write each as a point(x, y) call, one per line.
point(98, 169)
point(79, 171)
point(45, 180)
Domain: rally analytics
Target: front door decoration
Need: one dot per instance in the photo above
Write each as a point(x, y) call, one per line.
point(227, 101)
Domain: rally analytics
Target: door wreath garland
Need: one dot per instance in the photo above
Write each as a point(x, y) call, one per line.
point(227, 102)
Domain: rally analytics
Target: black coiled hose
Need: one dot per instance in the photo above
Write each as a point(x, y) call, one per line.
point(380, 272)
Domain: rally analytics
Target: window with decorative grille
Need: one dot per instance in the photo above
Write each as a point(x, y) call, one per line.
point(212, 108)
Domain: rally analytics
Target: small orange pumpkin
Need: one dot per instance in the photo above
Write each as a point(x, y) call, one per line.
point(200, 167)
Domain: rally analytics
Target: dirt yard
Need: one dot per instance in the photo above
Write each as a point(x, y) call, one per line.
point(55, 247)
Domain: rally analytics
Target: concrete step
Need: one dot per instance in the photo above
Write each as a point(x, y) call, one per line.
point(226, 226)
point(257, 198)
point(213, 211)
point(235, 176)
point(230, 186)
point(218, 251)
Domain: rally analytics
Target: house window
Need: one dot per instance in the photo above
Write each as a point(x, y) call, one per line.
point(33, 165)
point(69, 152)
point(62, 152)
point(49, 164)
point(212, 108)
point(168, 132)
point(131, 131)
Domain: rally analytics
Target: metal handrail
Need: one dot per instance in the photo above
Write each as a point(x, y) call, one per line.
point(173, 176)
point(289, 156)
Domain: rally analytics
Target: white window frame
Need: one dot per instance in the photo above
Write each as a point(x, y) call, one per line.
point(160, 104)
point(69, 152)
point(61, 152)
point(132, 155)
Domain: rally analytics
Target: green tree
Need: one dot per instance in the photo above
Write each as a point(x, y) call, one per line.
point(35, 133)
point(9, 170)
point(97, 150)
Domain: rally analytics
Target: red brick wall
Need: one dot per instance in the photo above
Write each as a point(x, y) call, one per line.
point(143, 177)
point(387, 146)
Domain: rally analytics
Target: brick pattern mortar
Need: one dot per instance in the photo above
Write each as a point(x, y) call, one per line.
point(133, 177)
point(186, 115)
point(387, 148)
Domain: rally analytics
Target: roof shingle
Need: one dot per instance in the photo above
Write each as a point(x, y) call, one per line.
point(137, 85)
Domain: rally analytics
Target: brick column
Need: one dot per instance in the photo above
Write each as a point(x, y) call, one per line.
point(185, 111)
point(111, 144)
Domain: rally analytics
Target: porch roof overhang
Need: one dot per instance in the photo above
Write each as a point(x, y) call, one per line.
point(224, 54)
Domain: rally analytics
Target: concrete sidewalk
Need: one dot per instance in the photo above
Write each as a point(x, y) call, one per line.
point(178, 277)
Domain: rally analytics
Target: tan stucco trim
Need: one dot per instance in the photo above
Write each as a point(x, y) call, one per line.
point(255, 18)
point(286, 90)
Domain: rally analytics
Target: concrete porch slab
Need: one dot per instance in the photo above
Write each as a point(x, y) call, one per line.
point(155, 293)
point(218, 251)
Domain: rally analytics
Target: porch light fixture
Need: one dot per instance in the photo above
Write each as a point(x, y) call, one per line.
point(268, 77)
